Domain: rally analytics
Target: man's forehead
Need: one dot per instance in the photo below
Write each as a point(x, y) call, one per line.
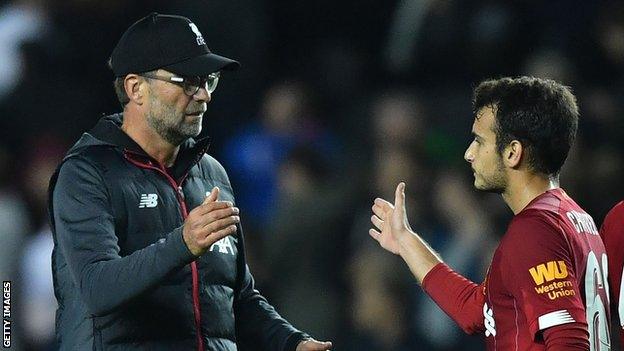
point(484, 119)
point(485, 111)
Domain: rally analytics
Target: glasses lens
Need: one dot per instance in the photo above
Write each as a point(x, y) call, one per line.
point(191, 85)
point(211, 82)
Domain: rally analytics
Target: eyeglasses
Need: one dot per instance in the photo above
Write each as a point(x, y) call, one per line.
point(190, 85)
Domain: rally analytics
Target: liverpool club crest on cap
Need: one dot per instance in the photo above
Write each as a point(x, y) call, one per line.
point(200, 38)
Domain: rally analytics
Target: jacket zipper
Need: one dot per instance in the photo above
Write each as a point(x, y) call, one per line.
point(194, 272)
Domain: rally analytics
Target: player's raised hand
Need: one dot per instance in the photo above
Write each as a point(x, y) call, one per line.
point(390, 221)
point(209, 222)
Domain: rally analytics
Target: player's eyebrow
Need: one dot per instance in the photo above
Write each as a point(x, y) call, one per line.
point(476, 136)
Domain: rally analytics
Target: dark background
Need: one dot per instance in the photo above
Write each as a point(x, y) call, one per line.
point(335, 103)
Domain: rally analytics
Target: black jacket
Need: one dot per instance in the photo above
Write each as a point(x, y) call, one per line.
point(123, 276)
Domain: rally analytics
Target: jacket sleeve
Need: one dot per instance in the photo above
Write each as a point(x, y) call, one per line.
point(85, 234)
point(257, 321)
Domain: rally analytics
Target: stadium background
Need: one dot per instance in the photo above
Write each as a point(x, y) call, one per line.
point(335, 103)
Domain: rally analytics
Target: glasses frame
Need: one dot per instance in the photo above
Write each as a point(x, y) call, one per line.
point(187, 84)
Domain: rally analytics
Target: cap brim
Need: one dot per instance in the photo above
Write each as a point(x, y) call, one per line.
point(203, 65)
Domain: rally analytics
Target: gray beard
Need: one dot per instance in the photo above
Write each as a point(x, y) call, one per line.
point(163, 121)
point(169, 134)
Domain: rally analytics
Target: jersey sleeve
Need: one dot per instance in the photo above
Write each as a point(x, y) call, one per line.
point(612, 233)
point(458, 297)
point(539, 271)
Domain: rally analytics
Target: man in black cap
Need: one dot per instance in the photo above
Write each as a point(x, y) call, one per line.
point(149, 251)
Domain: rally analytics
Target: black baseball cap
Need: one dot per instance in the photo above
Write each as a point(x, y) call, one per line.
point(170, 42)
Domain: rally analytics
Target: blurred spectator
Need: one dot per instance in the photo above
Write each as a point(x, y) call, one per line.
point(37, 314)
point(254, 154)
point(610, 37)
point(550, 64)
point(381, 318)
point(20, 21)
point(14, 222)
point(40, 161)
point(37, 304)
point(310, 216)
point(379, 306)
point(466, 246)
point(398, 120)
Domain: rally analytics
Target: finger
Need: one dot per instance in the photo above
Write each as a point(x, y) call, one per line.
point(374, 234)
point(214, 215)
point(213, 196)
point(377, 222)
point(219, 224)
point(205, 208)
point(216, 236)
point(379, 212)
point(399, 196)
point(385, 205)
point(314, 345)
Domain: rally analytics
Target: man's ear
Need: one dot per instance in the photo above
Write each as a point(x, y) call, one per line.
point(512, 154)
point(132, 85)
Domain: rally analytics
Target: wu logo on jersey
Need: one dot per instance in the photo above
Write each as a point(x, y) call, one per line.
point(549, 271)
point(224, 245)
point(200, 38)
point(488, 321)
point(148, 200)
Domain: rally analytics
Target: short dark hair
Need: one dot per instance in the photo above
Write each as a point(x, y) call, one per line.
point(118, 85)
point(120, 89)
point(540, 113)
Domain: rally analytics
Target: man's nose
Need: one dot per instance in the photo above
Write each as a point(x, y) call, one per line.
point(468, 155)
point(202, 95)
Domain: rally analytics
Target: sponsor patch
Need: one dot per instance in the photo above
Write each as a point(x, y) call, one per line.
point(544, 276)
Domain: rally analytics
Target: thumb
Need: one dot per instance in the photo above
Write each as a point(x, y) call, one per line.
point(399, 197)
point(213, 196)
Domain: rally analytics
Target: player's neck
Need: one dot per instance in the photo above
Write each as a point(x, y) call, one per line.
point(152, 143)
point(523, 187)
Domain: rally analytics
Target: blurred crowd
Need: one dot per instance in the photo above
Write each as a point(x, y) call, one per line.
point(336, 102)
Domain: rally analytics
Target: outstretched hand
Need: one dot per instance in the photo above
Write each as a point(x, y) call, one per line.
point(391, 221)
point(314, 345)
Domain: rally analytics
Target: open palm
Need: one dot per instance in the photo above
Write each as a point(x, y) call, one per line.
point(390, 221)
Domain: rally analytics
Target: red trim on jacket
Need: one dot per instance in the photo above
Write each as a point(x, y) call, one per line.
point(183, 209)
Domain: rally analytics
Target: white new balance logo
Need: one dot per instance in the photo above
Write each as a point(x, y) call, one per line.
point(148, 200)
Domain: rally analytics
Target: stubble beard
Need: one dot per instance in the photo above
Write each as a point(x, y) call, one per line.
point(494, 183)
point(169, 124)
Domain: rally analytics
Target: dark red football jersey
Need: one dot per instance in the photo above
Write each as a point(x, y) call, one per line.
point(612, 232)
point(549, 270)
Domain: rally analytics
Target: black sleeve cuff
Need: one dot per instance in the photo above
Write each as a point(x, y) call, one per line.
point(294, 340)
point(179, 248)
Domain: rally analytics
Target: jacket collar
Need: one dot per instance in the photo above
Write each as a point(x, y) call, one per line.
point(108, 129)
